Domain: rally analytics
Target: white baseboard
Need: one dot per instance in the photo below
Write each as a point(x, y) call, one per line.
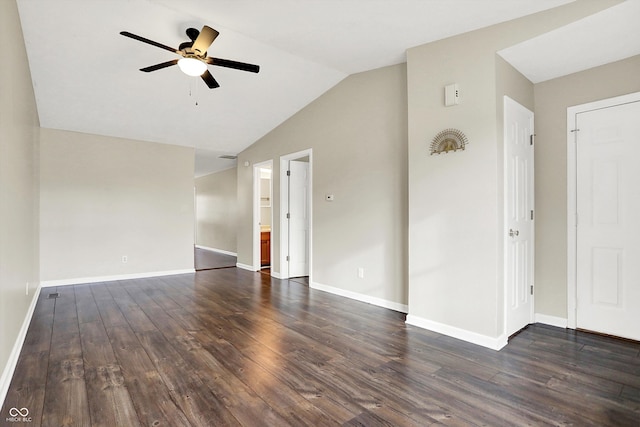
point(455, 332)
point(380, 302)
point(95, 279)
point(220, 251)
point(276, 275)
point(10, 367)
point(560, 322)
point(245, 266)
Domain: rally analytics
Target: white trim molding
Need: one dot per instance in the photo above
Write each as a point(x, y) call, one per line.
point(276, 275)
point(545, 319)
point(220, 251)
point(12, 362)
point(380, 302)
point(96, 279)
point(461, 334)
point(245, 266)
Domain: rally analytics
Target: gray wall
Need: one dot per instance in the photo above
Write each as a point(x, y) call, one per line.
point(456, 199)
point(103, 198)
point(216, 210)
point(551, 101)
point(18, 186)
point(357, 131)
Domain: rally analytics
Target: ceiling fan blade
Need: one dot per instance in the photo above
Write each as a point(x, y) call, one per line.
point(233, 64)
point(204, 40)
point(159, 66)
point(151, 42)
point(209, 80)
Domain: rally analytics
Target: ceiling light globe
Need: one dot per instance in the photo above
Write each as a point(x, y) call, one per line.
point(192, 66)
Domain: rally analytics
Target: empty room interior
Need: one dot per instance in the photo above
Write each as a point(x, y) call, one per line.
point(374, 213)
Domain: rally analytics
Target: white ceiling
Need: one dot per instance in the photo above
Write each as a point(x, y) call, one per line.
point(86, 76)
point(604, 37)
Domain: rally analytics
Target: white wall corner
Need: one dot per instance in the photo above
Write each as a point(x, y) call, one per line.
point(380, 302)
point(545, 319)
point(245, 266)
point(276, 275)
point(10, 367)
point(220, 251)
point(96, 279)
point(461, 334)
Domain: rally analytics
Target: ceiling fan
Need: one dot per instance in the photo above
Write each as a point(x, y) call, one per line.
point(194, 55)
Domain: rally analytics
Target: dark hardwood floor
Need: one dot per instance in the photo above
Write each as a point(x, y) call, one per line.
point(229, 347)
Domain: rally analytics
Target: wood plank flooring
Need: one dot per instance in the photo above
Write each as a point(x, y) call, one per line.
point(229, 347)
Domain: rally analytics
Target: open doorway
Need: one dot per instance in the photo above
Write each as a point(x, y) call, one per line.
point(296, 214)
point(263, 216)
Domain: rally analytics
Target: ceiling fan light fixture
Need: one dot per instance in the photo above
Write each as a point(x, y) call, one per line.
point(194, 61)
point(192, 66)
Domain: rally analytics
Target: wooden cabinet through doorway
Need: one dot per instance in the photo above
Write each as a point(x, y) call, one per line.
point(265, 248)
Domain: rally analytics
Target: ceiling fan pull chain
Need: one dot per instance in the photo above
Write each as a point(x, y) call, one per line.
point(193, 91)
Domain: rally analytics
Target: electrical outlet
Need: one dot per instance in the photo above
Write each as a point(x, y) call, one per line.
point(124, 259)
point(361, 272)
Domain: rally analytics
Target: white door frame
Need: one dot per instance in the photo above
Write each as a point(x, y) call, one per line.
point(511, 103)
point(284, 207)
point(572, 195)
point(256, 212)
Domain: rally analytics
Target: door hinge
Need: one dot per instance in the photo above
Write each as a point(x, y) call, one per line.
point(531, 214)
point(288, 215)
point(288, 173)
point(531, 137)
point(287, 258)
point(531, 289)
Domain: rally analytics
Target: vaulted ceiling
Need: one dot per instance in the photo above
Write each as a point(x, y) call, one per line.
point(86, 75)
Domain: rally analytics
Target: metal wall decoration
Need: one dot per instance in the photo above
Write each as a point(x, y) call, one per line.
point(448, 140)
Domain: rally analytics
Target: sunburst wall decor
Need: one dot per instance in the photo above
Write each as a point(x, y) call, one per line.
point(448, 140)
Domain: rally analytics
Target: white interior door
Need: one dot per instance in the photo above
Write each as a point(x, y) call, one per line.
point(519, 198)
point(298, 218)
point(608, 226)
